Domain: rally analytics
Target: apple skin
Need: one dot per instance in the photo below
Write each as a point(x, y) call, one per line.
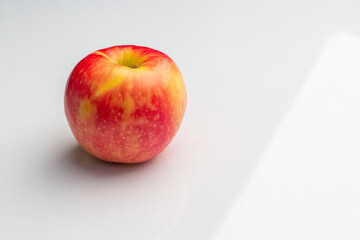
point(125, 103)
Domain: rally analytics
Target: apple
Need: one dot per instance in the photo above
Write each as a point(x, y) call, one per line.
point(125, 103)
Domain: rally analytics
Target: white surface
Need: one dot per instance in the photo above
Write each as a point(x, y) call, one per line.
point(269, 147)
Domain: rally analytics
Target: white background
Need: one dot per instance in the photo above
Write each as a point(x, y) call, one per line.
point(269, 147)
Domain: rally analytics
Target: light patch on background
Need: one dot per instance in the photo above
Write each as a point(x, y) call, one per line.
point(308, 179)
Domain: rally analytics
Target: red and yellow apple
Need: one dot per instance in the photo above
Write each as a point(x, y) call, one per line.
point(125, 103)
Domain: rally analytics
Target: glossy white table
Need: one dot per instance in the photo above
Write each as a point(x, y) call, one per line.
point(268, 149)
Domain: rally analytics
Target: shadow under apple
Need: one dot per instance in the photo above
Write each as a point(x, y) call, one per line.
point(144, 199)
